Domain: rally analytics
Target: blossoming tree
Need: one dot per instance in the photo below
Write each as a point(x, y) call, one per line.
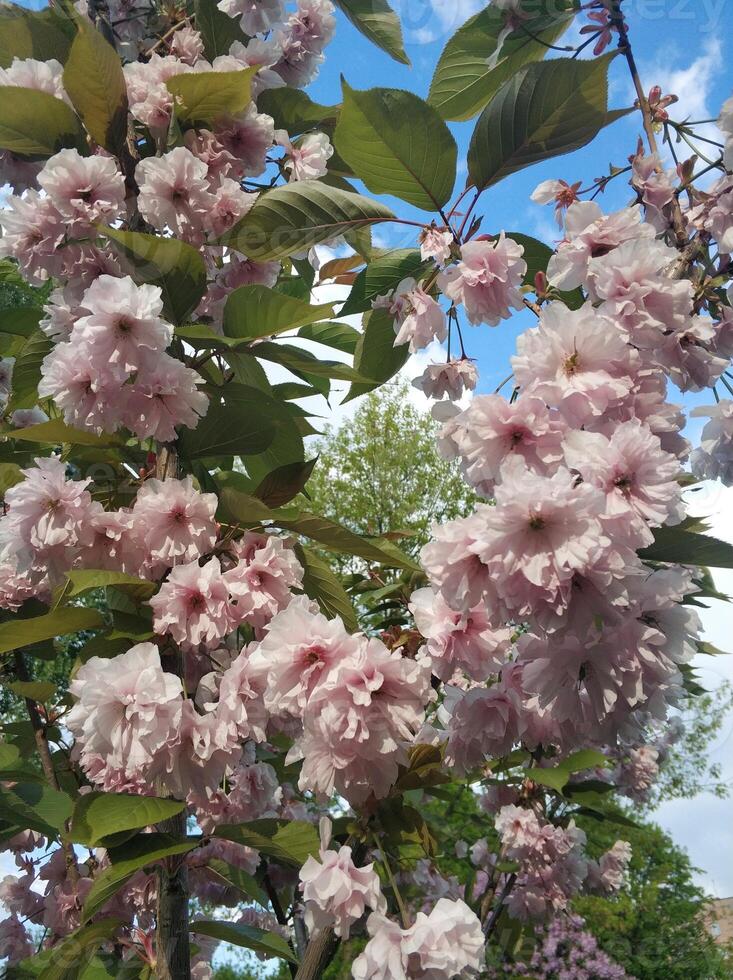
point(234, 760)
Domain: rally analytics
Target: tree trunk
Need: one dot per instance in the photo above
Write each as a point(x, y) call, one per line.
point(173, 951)
point(318, 955)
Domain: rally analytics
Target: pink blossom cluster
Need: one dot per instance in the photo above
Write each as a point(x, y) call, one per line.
point(112, 369)
point(445, 943)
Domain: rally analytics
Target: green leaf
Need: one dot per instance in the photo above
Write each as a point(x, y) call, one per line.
point(265, 943)
point(340, 336)
point(583, 759)
point(283, 483)
point(100, 815)
point(35, 690)
point(203, 96)
point(554, 778)
point(253, 312)
point(288, 841)
point(36, 124)
point(22, 321)
point(141, 852)
point(473, 66)
point(673, 544)
point(341, 539)
point(55, 432)
point(10, 476)
point(320, 583)
point(173, 265)
point(381, 275)
point(397, 144)
point(299, 215)
point(38, 806)
point(302, 363)
point(239, 425)
point(95, 84)
point(18, 633)
point(237, 503)
point(84, 579)
point(41, 34)
point(376, 20)
point(67, 959)
point(27, 371)
point(543, 111)
point(218, 30)
point(238, 879)
point(376, 356)
point(295, 111)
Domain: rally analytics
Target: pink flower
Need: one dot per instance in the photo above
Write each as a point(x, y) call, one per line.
point(713, 460)
point(187, 45)
point(248, 137)
point(559, 191)
point(458, 640)
point(576, 360)
point(261, 581)
point(256, 16)
point(308, 158)
point(197, 757)
point(123, 322)
point(492, 429)
point(86, 189)
point(173, 522)
point(15, 943)
point(150, 100)
point(253, 791)
point(47, 523)
point(192, 605)
point(588, 233)
point(88, 390)
point(357, 722)
point(126, 713)
point(451, 560)
point(174, 192)
point(299, 650)
point(640, 481)
point(240, 705)
point(608, 874)
point(230, 204)
point(483, 723)
point(436, 244)
point(487, 279)
point(43, 76)
point(219, 161)
point(449, 378)
point(164, 396)
point(714, 213)
point(33, 230)
point(335, 891)
point(420, 318)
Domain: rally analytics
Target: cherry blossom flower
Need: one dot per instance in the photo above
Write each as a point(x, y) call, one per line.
point(713, 460)
point(174, 192)
point(487, 279)
point(261, 581)
point(458, 640)
point(335, 891)
point(449, 378)
point(559, 191)
point(187, 44)
point(126, 713)
point(192, 605)
point(714, 212)
point(256, 16)
point(42, 76)
point(248, 137)
point(86, 189)
point(240, 705)
point(173, 522)
point(437, 244)
point(32, 232)
point(576, 361)
point(164, 396)
point(420, 318)
point(483, 723)
point(307, 159)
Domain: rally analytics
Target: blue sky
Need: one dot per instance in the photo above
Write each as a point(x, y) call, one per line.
point(682, 45)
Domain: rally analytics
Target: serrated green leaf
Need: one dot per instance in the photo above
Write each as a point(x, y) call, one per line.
point(175, 266)
point(673, 544)
point(55, 432)
point(36, 124)
point(288, 841)
point(21, 321)
point(381, 275)
point(245, 422)
point(480, 56)
point(100, 815)
point(376, 20)
point(204, 96)
point(253, 312)
point(238, 879)
point(554, 778)
point(546, 109)
point(583, 759)
point(27, 371)
point(39, 34)
point(35, 690)
point(83, 579)
point(397, 144)
point(299, 215)
point(320, 583)
point(67, 959)
point(95, 84)
point(218, 30)
point(262, 942)
point(37, 806)
point(283, 483)
point(294, 111)
point(18, 633)
point(141, 852)
point(376, 356)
